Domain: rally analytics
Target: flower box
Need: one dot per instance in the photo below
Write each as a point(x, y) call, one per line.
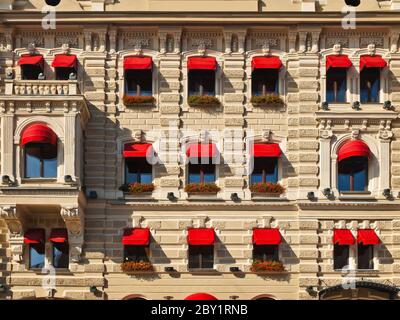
point(267, 189)
point(137, 188)
point(203, 101)
point(268, 100)
point(131, 266)
point(202, 188)
point(138, 101)
point(260, 266)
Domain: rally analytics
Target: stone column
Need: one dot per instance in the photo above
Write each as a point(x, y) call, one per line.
point(7, 145)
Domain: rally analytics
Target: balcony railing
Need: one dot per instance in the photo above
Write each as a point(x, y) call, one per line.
point(41, 87)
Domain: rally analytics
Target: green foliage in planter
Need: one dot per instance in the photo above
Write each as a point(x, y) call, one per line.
point(267, 187)
point(130, 266)
point(267, 266)
point(203, 101)
point(267, 100)
point(137, 100)
point(202, 188)
point(137, 187)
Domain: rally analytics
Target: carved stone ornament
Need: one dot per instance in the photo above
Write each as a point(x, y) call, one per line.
point(138, 135)
point(267, 135)
point(201, 221)
point(32, 48)
point(385, 131)
point(355, 134)
point(325, 129)
point(65, 48)
point(15, 226)
point(337, 48)
point(371, 49)
point(73, 218)
point(137, 221)
point(264, 222)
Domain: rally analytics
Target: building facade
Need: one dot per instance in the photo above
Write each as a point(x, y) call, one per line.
point(276, 94)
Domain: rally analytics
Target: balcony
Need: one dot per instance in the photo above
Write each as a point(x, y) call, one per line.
point(41, 88)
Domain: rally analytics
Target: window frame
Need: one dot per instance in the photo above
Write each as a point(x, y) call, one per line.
point(67, 254)
point(25, 165)
point(264, 174)
point(146, 249)
point(189, 165)
point(275, 248)
point(346, 90)
point(30, 247)
point(125, 171)
point(264, 92)
point(200, 266)
point(334, 256)
point(351, 177)
point(138, 86)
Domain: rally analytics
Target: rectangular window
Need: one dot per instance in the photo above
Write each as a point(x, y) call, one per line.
point(136, 253)
point(370, 83)
point(30, 72)
point(336, 85)
point(202, 82)
point(265, 81)
point(266, 252)
point(64, 73)
point(201, 173)
point(201, 257)
point(138, 83)
point(340, 256)
point(138, 170)
point(265, 170)
point(365, 256)
point(40, 160)
point(36, 255)
point(60, 255)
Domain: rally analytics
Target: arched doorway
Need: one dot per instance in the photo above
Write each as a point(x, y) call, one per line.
point(362, 290)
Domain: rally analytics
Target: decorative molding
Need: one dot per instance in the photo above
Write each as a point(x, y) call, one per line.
point(385, 130)
point(15, 226)
point(73, 217)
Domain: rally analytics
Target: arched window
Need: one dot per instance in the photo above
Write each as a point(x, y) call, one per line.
point(353, 159)
point(40, 151)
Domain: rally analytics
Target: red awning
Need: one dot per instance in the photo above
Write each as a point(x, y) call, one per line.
point(339, 61)
point(136, 150)
point(266, 63)
point(38, 133)
point(372, 62)
point(343, 237)
point(353, 148)
point(270, 150)
point(34, 236)
point(64, 61)
point(201, 296)
point(136, 237)
point(202, 150)
point(367, 237)
point(266, 236)
point(201, 237)
point(202, 63)
point(138, 63)
point(27, 59)
point(59, 235)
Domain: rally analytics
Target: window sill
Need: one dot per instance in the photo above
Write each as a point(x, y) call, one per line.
point(39, 180)
point(356, 196)
point(202, 271)
point(268, 197)
point(138, 196)
point(198, 196)
point(356, 272)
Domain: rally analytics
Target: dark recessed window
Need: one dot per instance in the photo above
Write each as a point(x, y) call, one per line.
point(370, 82)
point(64, 73)
point(138, 170)
point(136, 253)
point(265, 81)
point(40, 160)
point(30, 72)
point(60, 255)
point(138, 82)
point(201, 257)
point(36, 255)
point(340, 256)
point(365, 256)
point(265, 170)
point(201, 173)
point(202, 82)
point(336, 85)
point(353, 174)
point(266, 252)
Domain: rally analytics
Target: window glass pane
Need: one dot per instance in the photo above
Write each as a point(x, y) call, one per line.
point(365, 257)
point(30, 72)
point(353, 174)
point(194, 178)
point(201, 173)
point(266, 252)
point(32, 162)
point(63, 73)
point(138, 82)
point(202, 82)
point(60, 255)
point(267, 167)
point(40, 160)
point(36, 255)
point(370, 84)
point(264, 81)
point(201, 257)
point(341, 256)
point(136, 253)
point(138, 170)
point(336, 85)
point(50, 168)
